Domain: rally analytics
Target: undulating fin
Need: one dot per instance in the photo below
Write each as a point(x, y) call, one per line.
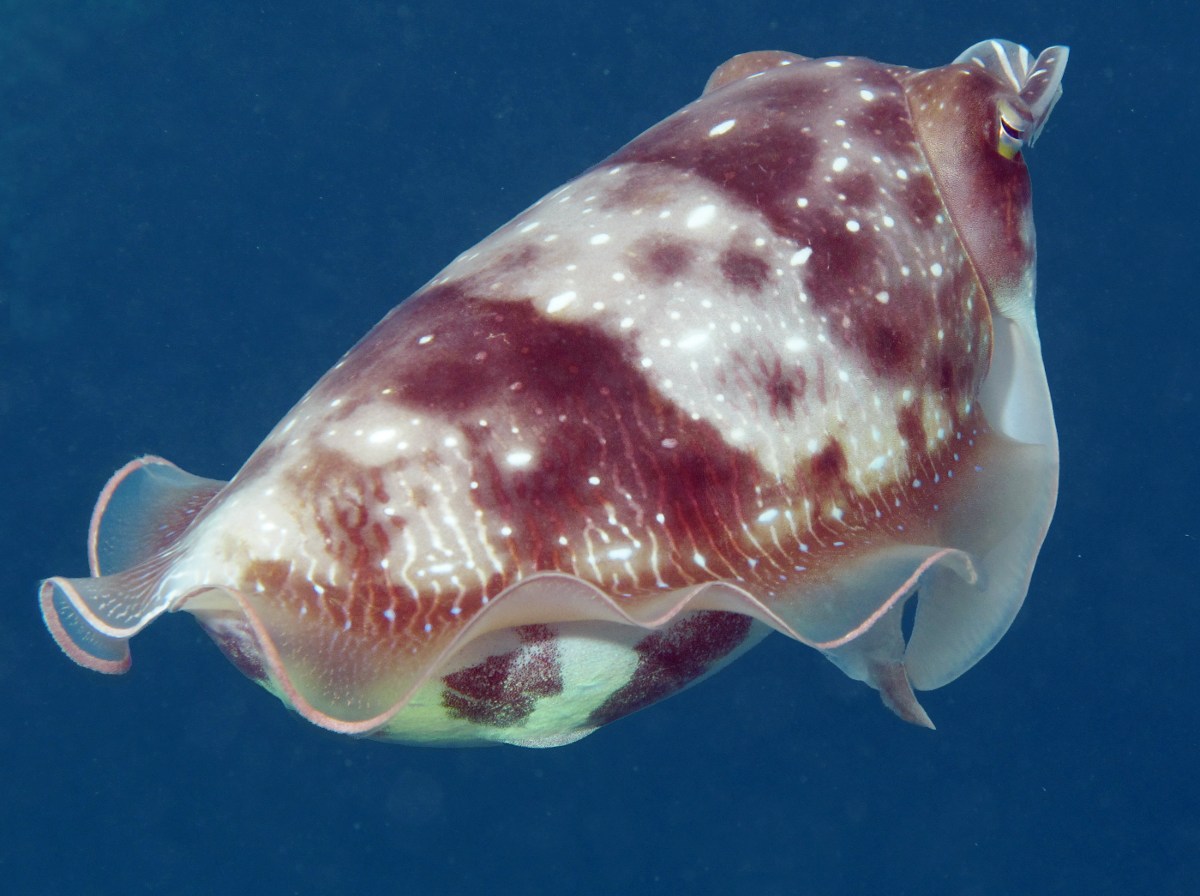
point(144, 508)
point(853, 619)
point(138, 521)
point(1000, 522)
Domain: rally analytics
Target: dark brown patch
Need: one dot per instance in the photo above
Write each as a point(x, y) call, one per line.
point(661, 260)
point(858, 188)
point(744, 270)
point(920, 200)
point(908, 423)
point(671, 659)
point(418, 352)
point(827, 469)
point(784, 388)
point(842, 262)
point(886, 118)
point(503, 690)
point(888, 347)
point(887, 335)
point(963, 353)
point(946, 378)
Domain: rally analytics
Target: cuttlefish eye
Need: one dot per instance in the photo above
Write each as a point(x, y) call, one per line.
point(1011, 133)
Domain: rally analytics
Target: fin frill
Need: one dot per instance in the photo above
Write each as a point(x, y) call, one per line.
point(138, 521)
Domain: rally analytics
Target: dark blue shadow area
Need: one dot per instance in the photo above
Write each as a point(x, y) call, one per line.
point(200, 211)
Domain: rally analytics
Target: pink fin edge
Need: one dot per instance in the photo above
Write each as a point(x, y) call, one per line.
point(70, 646)
point(105, 497)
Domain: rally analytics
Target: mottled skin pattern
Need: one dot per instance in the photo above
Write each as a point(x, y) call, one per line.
point(746, 349)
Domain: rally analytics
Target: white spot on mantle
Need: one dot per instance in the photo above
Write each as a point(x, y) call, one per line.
point(702, 215)
point(723, 128)
point(561, 301)
point(519, 458)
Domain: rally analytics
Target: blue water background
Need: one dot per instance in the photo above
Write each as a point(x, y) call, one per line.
point(200, 210)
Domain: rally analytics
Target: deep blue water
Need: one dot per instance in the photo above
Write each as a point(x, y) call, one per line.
point(199, 212)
